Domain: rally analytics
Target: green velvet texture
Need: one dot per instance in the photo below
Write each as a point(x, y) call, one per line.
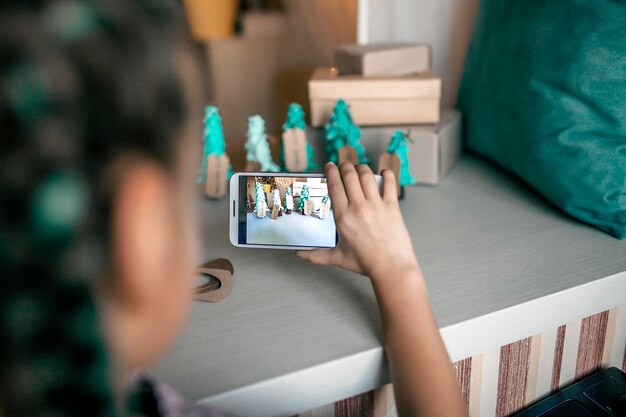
point(544, 95)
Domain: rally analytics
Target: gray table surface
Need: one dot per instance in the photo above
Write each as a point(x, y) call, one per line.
point(485, 242)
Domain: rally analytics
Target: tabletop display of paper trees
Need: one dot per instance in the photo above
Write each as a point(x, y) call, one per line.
point(304, 205)
point(260, 207)
point(342, 137)
point(296, 154)
point(288, 201)
point(215, 170)
point(258, 153)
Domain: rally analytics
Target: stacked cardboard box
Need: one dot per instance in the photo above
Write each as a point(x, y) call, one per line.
point(376, 101)
point(390, 87)
point(433, 148)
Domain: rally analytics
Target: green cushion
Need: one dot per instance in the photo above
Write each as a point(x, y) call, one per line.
point(544, 94)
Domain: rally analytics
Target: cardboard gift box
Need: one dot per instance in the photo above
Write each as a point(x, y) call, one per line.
point(432, 153)
point(383, 59)
point(375, 101)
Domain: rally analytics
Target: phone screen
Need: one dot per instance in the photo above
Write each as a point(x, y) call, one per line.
point(286, 211)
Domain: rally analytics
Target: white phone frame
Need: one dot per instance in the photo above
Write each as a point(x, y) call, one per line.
point(234, 207)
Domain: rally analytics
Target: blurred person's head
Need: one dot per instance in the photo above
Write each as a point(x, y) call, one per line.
point(96, 178)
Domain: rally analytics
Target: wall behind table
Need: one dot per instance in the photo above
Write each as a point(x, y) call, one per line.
point(444, 24)
point(247, 71)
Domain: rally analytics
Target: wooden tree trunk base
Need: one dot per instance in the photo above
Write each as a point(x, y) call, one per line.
point(253, 167)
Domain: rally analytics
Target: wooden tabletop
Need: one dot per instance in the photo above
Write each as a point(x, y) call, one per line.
point(500, 264)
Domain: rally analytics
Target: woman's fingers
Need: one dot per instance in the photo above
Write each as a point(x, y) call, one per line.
point(368, 182)
point(317, 256)
point(335, 187)
point(351, 183)
point(390, 187)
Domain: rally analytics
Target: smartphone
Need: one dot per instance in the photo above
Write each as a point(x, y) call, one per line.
point(282, 211)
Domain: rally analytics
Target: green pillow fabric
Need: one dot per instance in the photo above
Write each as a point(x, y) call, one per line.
point(544, 95)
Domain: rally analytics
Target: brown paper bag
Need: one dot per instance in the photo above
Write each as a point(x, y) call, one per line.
point(294, 149)
point(216, 183)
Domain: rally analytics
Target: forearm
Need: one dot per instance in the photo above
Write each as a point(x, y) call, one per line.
point(423, 379)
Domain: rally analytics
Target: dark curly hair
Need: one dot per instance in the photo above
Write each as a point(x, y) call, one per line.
point(81, 84)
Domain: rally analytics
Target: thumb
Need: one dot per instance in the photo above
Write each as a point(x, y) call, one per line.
point(317, 256)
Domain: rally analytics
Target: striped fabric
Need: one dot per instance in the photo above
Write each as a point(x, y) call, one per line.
point(501, 381)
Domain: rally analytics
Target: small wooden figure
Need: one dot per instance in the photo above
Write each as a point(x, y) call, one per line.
point(275, 212)
point(340, 133)
point(257, 146)
point(276, 204)
point(215, 170)
point(348, 154)
point(288, 201)
point(261, 203)
point(296, 154)
point(308, 208)
point(304, 198)
point(294, 148)
point(324, 210)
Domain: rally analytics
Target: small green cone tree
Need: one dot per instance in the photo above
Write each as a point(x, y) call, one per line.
point(295, 120)
point(259, 196)
point(398, 146)
point(304, 197)
point(257, 147)
point(214, 143)
point(340, 131)
point(288, 203)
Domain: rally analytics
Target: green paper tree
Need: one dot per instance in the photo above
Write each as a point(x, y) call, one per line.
point(340, 131)
point(295, 120)
point(214, 143)
point(398, 146)
point(288, 193)
point(259, 196)
point(304, 197)
point(257, 147)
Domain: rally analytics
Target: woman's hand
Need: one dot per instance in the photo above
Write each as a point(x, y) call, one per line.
point(372, 236)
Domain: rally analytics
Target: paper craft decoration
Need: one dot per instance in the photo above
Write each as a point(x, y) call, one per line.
point(308, 208)
point(276, 205)
point(215, 170)
point(257, 146)
point(341, 133)
point(296, 154)
point(324, 210)
point(288, 207)
point(220, 271)
point(348, 154)
point(294, 148)
point(398, 146)
point(260, 207)
point(218, 169)
point(304, 198)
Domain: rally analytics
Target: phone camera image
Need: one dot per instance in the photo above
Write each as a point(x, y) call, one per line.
point(287, 211)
